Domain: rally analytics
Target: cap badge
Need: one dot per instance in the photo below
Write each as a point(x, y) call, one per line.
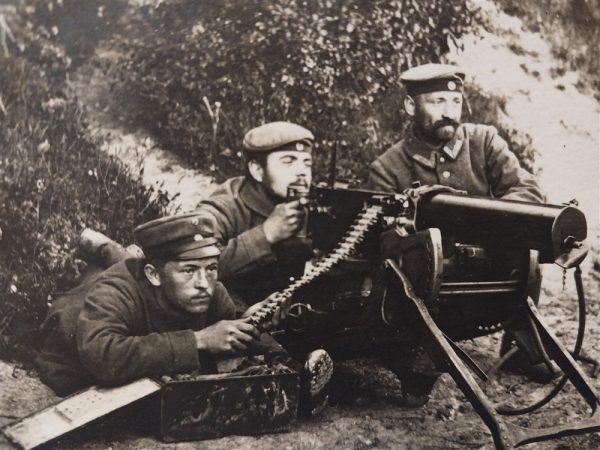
point(451, 85)
point(299, 146)
point(195, 222)
point(198, 237)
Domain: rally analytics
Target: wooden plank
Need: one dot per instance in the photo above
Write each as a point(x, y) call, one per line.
point(75, 411)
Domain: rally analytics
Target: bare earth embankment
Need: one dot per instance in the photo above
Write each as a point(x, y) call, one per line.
point(563, 124)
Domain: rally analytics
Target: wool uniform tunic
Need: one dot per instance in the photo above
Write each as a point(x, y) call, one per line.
point(249, 266)
point(477, 160)
point(116, 328)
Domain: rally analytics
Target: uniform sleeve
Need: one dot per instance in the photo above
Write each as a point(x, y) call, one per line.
point(508, 180)
point(379, 178)
point(240, 253)
point(110, 349)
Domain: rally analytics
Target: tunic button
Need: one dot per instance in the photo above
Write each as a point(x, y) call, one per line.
point(442, 159)
point(446, 174)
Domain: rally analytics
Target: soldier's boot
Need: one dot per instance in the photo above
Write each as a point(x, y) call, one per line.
point(416, 387)
point(417, 374)
point(417, 394)
point(520, 363)
point(100, 252)
point(316, 374)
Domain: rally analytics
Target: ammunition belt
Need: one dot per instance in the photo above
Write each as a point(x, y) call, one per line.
point(355, 235)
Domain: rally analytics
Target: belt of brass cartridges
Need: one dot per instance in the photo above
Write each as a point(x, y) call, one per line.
point(354, 236)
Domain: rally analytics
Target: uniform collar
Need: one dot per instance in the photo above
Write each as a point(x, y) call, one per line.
point(454, 146)
point(256, 198)
point(424, 153)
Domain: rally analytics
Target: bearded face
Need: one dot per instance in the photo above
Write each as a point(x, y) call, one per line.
point(282, 168)
point(437, 115)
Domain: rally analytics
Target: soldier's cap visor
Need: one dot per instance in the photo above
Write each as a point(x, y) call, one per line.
point(449, 84)
point(185, 249)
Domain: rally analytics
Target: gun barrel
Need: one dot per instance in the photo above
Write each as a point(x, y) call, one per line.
point(552, 230)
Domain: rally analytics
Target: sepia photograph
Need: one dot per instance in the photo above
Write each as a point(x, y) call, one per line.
point(300, 224)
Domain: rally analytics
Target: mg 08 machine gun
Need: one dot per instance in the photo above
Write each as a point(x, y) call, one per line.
point(433, 266)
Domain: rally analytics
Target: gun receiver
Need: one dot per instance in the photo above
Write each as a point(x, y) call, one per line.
point(554, 231)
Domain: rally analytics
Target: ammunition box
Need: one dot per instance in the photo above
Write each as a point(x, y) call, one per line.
point(210, 407)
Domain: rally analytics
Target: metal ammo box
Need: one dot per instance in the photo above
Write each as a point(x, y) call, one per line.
point(191, 407)
point(211, 406)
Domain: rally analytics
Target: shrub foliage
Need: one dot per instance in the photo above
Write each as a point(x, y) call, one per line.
point(209, 71)
point(75, 26)
point(54, 180)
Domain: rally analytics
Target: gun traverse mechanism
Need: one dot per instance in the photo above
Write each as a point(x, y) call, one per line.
point(432, 266)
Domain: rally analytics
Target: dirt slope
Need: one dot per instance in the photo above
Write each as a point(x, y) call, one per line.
point(134, 146)
point(563, 122)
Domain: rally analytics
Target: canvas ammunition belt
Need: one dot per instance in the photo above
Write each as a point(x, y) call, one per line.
point(362, 224)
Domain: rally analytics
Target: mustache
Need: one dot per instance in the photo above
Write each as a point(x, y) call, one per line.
point(445, 122)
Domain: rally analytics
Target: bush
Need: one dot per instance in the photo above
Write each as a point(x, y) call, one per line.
point(54, 180)
point(75, 25)
point(209, 71)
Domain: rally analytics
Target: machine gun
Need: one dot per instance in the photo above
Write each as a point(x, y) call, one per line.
point(432, 266)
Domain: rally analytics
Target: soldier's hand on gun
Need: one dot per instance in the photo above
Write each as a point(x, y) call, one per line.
point(285, 221)
point(279, 314)
point(226, 336)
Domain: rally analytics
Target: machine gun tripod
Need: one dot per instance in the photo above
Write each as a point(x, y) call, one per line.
point(506, 434)
point(446, 267)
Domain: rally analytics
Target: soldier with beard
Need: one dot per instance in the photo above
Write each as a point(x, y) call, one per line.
point(255, 224)
point(256, 227)
point(439, 149)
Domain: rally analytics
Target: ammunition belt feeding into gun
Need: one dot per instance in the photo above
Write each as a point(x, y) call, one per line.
point(362, 224)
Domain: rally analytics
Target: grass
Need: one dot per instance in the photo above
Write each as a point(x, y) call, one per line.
point(54, 181)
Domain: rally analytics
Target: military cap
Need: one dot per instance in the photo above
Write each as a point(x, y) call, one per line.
point(277, 136)
point(179, 237)
point(433, 78)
